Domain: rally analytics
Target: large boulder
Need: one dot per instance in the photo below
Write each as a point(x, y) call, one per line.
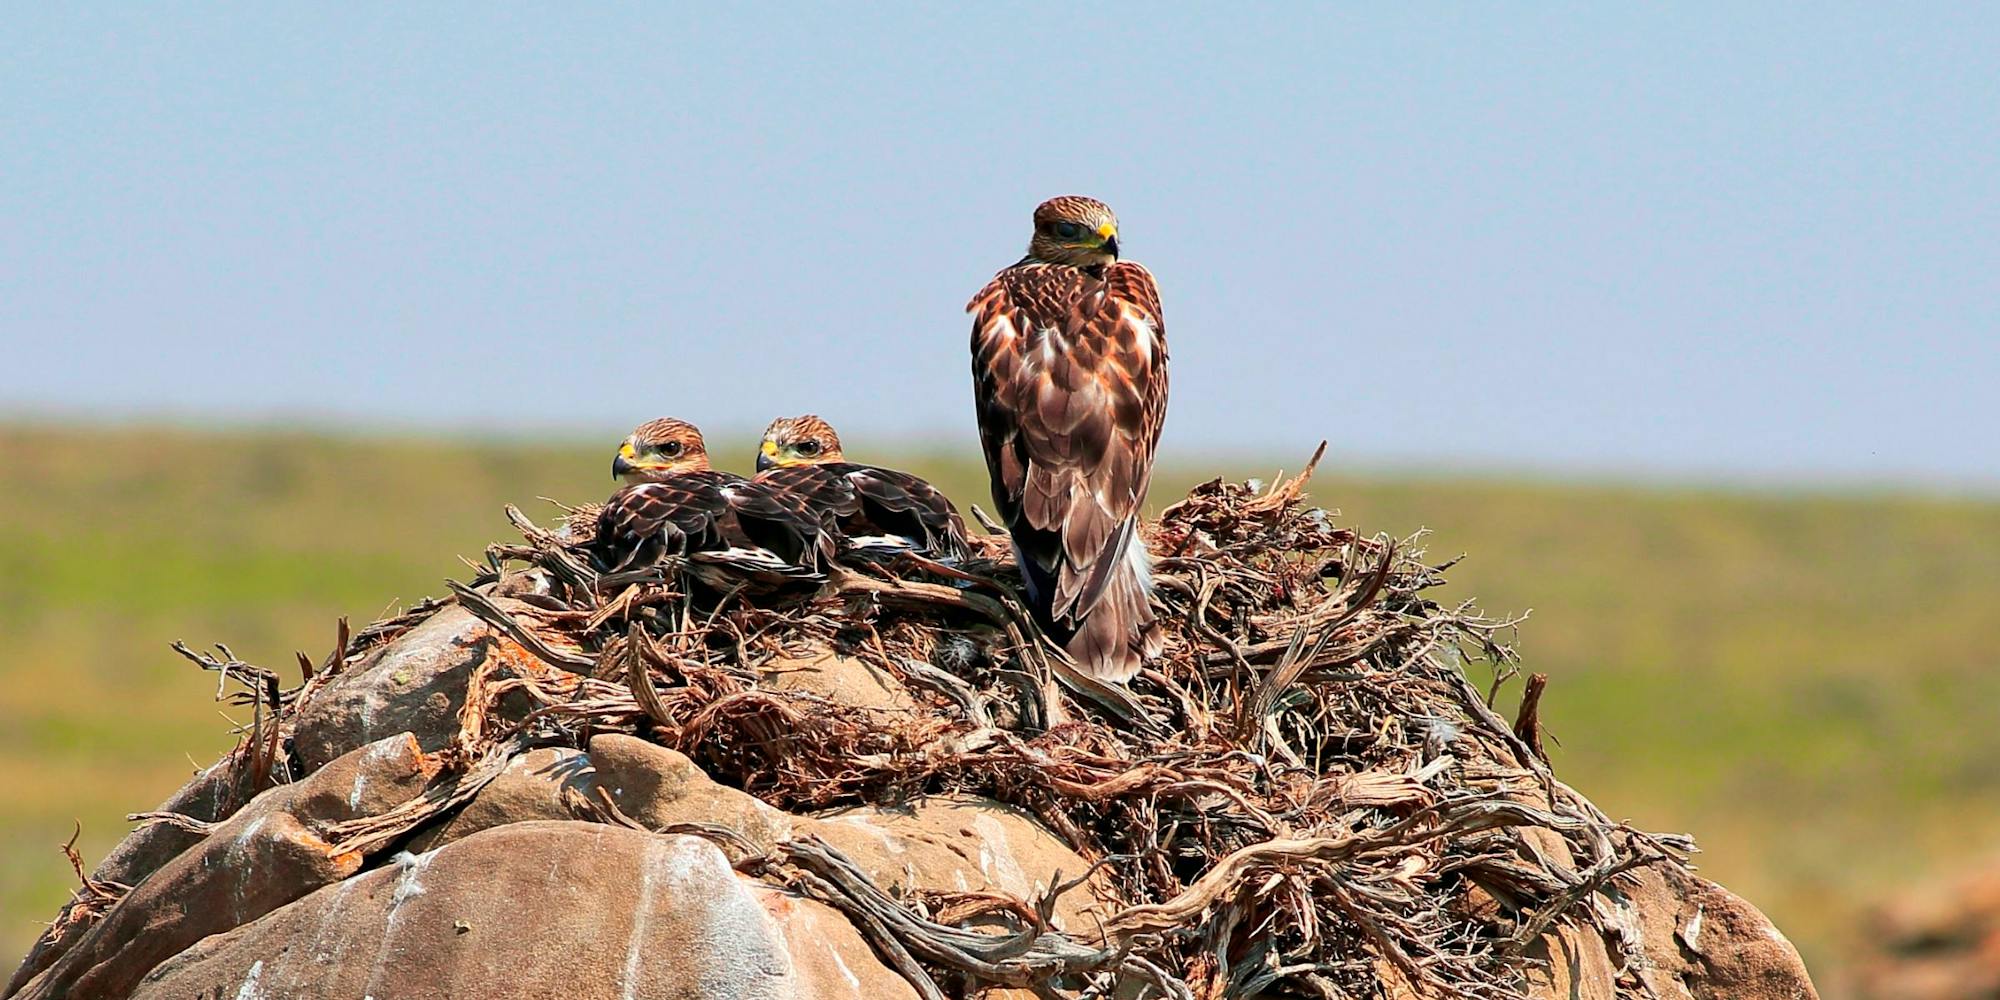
point(271, 852)
point(416, 684)
point(540, 909)
point(215, 793)
point(1695, 941)
point(938, 844)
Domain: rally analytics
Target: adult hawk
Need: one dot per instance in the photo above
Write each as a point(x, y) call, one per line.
point(1069, 367)
point(730, 529)
point(876, 511)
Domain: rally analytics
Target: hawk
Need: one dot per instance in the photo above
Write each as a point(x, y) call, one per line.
point(729, 528)
point(1069, 368)
point(876, 511)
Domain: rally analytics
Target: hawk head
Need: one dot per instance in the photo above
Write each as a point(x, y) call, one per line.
point(659, 449)
point(806, 440)
point(1074, 230)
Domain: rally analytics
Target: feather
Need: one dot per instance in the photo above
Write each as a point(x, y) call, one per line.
point(869, 507)
point(712, 517)
point(1069, 416)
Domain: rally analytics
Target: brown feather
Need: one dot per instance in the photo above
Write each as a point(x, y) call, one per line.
point(704, 513)
point(855, 501)
point(1070, 382)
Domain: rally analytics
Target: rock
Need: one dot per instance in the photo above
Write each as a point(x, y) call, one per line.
point(540, 909)
point(943, 844)
point(530, 788)
point(213, 794)
point(1696, 941)
point(965, 844)
point(1703, 942)
point(509, 895)
point(271, 852)
point(415, 684)
point(1576, 966)
point(1936, 942)
point(838, 678)
point(659, 787)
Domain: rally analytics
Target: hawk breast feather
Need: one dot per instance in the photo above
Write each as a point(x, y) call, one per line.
point(1071, 372)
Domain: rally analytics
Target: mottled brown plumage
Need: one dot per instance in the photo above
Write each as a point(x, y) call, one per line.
point(871, 509)
point(728, 527)
point(1069, 363)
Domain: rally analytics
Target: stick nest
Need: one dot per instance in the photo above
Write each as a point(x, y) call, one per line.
point(1307, 796)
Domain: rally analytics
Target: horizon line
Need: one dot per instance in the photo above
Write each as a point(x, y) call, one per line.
point(1341, 460)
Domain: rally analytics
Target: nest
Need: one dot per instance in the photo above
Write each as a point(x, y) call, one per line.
point(1307, 796)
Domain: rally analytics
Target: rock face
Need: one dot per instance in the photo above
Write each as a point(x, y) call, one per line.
point(1695, 941)
point(539, 909)
point(946, 843)
point(268, 854)
point(414, 685)
point(509, 894)
point(214, 794)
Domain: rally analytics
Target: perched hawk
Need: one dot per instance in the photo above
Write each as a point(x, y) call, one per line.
point(1069, 368)
point(728, 527)
point(875, 510)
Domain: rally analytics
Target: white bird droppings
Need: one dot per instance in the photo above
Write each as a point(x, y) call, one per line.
point(251, 989)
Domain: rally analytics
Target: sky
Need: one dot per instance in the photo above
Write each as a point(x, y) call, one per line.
point(1721, 240)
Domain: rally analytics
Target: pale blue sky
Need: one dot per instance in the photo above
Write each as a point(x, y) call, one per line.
point(1678, 239)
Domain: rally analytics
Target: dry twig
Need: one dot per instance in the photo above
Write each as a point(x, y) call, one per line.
point(1293, 802)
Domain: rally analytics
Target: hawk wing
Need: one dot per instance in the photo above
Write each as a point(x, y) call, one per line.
point(769, 532)
point(1070, 371)
point(811, 489)
point(865, 501)
point(641, 523)
point(905, 505)
point(712, 516)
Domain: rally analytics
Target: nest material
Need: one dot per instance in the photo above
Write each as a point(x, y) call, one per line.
point(1307, 796)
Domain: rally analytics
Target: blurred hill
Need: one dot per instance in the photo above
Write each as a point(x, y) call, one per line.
point(1804, 681)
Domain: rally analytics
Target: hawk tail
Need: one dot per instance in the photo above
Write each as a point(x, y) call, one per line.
point(1121, 632)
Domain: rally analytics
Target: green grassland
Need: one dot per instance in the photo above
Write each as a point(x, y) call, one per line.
point(1805, 681)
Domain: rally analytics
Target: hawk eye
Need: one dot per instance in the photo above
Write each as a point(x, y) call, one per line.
point(808, 447)
point(671, 449)
point(1069, 230)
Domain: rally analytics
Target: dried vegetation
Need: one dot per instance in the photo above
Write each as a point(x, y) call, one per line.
point(1308, 796)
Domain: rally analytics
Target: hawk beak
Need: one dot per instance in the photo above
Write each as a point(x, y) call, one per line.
point(620, 468)
point(1111, 246)
point(767, 456)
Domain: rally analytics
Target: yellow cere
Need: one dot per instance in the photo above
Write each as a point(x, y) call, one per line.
point(1107, 230)
point(625, 451)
